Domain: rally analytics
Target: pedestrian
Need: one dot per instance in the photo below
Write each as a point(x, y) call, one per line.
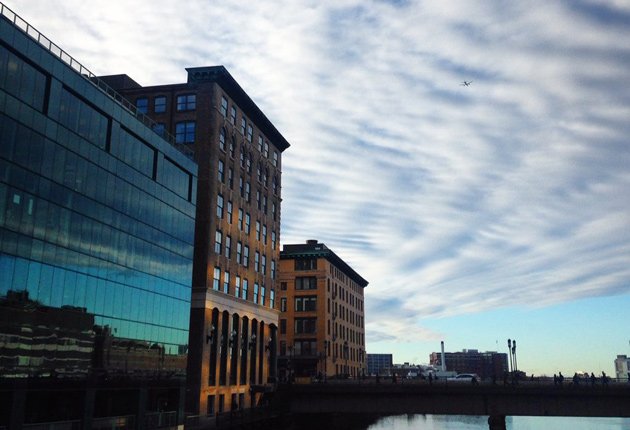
point(555, 379)
point(560, 378)
point(593, 379)
point(604, 378)
point(576, 379)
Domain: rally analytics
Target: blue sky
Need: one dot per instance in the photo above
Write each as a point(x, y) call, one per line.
point(499, 210)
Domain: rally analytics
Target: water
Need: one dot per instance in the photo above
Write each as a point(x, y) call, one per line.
point(462, 422)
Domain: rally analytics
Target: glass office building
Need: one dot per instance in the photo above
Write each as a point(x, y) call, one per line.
point(97, 219)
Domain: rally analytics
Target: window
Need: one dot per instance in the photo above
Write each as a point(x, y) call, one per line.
point(264, 205)
point(231, 177)
point(185, 132)
point(237, 286)
point(159, 104)
point(256, 261)
point(241, 186)
point(305, 303)
point(240, 219)
point(266, 150)
point(142, 104)
point(283, 286)
point(259, 171)
point(275, 158)
point(263, 264)
point(247, 223)
point(258, 230)
point(186, 102)
point(219, 206)
point(224, 107)
point(273, 240)
point(305, 325)
point(260, 144)
point(239, 252)
point(217, 278)
point(305, 347)
point(283, 304)
point(228, 246)
point(258, 202)
point(221, 171)
point(273, 269)
point(229, 211)
point(233, 115)
point(306, 264)
point(273, 211)
point(262, 295)
point(283, 326)
point(306, 283)
point(250, 133)
point(246, 255)
point(222, 139)
point(274, 185)
point(255, 298)
point(245, 287)
point(243, 125)
point(264, 234)
point(226, 282)
point(218, 238)
point(232, 146)
point(247, 191)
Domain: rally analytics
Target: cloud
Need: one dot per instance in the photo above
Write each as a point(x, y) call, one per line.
point(453, 200)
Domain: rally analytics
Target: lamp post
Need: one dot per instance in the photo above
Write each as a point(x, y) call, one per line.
point(514, 354)
point(510, 368)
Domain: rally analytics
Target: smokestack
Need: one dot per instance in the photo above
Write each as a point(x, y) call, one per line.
point(443, 358)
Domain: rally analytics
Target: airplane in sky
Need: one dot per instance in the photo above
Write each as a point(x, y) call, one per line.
point(466, 83)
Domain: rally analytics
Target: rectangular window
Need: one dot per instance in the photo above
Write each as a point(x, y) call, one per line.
point(306, 283)
point(260, 144)
point(250, 133)
point(264, 234)
point(256, 261)
point(219, 206)
point(218, 237)
point(246, 256)
point(283, 304)
point(237, 286)
point(231, 177)
point(224, 107)
point(266, 150)
point(262, 295)
point(283, 326)
point(222, 139)
point(263, 265)
point(226, 282)
point(228, 246)
point(23, 81)
point(275, 158)
point(185, 132)
point(239, 252)
point(186, 102)
point(240, 219)
point(142, 104)
point(233, 115)
point(255, 298)
point(159, 104)
point(159, 129)
point(283, 286)
point(273, 211)
point(221, 171)
point(258, 230)
point(305, 325)
point(229, 212)
point(245, 289)
point(247, 223)
point(241, 186)
point(306, 264)
point(305, 303)
point(272, 298)
point(273, 240)
point(273, 269)
point(247, 191)
point(217, 278)
point(243, 125)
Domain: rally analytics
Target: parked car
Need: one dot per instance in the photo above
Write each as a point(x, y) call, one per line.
point(471, 378)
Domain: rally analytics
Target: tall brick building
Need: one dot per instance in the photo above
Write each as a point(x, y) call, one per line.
point(322, 320)
point(233, 326)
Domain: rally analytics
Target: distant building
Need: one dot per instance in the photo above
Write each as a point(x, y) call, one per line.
point(97, 218)
point(485, 364)
point(380, 364)
point(622, 363)
point(322, 319)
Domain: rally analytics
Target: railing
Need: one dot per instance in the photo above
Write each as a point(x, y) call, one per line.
point(58, 425)
point(89, 76)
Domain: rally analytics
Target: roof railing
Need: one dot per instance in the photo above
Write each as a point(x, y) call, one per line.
point(90, 77)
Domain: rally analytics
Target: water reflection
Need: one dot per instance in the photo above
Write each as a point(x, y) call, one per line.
point(463, 422)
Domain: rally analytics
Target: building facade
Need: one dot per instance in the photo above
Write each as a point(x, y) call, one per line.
point(622, 364)
point(322, 320)
point(379, 364)
point(97, 219)
point(233, 326)
point(485, 364)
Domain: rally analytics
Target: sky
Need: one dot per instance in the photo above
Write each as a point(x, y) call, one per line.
point(480, 213)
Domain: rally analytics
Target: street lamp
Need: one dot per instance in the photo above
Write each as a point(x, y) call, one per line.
point(511, 368)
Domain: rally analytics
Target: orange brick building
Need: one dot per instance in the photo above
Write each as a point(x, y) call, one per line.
point(322, 319)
